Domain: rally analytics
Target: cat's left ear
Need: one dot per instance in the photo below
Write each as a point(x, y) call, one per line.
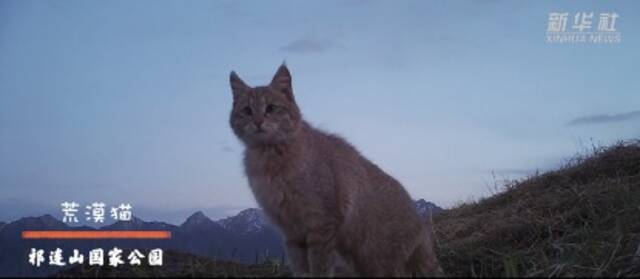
point(282, 81)
point(238, 86)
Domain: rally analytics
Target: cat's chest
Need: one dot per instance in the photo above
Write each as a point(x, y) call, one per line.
point(275, 193)
point(274, 178)
point(267, 190)
point(282, 200)
point(281, 186)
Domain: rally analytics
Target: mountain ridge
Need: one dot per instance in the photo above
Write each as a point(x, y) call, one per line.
point(245, 237)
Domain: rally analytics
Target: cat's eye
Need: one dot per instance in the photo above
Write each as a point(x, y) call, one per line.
point(247, 111)
point(270, 108)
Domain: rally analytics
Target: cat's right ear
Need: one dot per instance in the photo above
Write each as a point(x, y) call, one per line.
point(238, 86)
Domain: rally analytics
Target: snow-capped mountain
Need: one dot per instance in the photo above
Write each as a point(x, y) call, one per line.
point(250, 220)
point(198, 219)
point(425, 207)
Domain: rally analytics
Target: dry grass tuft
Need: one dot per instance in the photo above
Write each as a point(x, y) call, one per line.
point(580, 220)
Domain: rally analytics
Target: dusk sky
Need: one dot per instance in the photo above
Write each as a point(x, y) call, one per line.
point(128, 101)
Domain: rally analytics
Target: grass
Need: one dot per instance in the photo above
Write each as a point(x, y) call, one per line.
point(580, 220)
point(181, 265)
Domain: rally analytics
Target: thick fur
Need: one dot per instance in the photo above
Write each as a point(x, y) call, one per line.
point(340, 214)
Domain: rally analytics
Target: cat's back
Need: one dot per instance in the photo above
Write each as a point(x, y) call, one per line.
point(336, 151)
point(365, 191)
point(346, 160)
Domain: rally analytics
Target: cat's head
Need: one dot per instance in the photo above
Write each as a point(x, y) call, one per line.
point(264, 115)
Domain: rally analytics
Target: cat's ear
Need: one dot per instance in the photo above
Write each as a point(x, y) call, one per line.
point(282, 81)
point(237, 85)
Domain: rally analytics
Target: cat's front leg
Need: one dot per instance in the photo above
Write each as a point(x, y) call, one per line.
point(321, 254)
point(297, 255)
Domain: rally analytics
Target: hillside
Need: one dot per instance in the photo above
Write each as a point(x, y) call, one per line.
point(580, 220)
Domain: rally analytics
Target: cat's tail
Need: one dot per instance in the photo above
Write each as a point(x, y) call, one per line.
point(432, 261)
point(424, 261)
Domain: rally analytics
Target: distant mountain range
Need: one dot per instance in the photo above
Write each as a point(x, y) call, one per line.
point(425, 207)
point(246, 237)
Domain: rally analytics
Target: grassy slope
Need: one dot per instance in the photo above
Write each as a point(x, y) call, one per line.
point(580, 220)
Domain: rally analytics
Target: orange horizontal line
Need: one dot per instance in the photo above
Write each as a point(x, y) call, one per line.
point(96, 234)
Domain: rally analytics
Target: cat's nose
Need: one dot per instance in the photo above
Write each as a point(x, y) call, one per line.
point(258, 121)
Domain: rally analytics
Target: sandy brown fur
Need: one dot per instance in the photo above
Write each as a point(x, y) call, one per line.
point(340, 213)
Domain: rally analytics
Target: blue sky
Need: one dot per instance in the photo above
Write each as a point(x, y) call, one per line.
point(128, 101)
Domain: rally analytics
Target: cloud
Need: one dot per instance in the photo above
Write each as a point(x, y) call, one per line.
point(304, 46)
point(604, 118)
point(227, 149)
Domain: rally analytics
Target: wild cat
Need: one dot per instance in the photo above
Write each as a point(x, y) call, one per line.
point(340, 214)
